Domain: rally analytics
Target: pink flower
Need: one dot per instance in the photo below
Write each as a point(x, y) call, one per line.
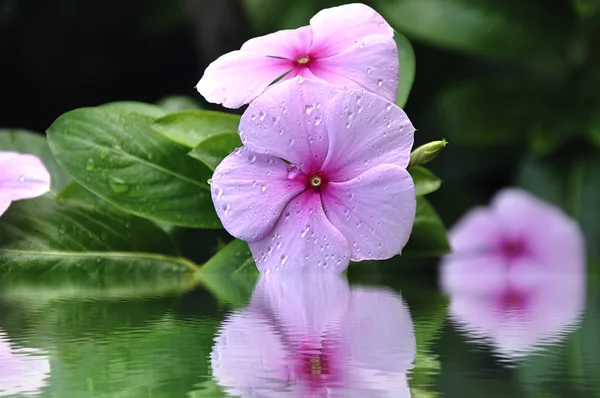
point(309, 335)
point(21, 177)
point(22, 371)
point(516, 276)
point(341, 191)
point(350, 46)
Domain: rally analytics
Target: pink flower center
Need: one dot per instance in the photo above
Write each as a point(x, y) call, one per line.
point(512, 249)
point(302, 60)
point(315, 368)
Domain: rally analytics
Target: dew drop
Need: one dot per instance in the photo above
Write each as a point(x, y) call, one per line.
point(262, 115)
point(283, 259)
point(252, 158)
point(388, 107)
point(219, 193)
point(291, 141)
point(318, 120)
point(380, 82)
point(308, 108)
point(263, 188)
point(89, 165)
point(369, 70)
point(117, 185)
point(226, 207)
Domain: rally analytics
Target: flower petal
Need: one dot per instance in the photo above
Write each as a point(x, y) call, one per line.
point(238, 77)
point(4, 203)
point(250, 191)
point(287, 44)
point(365, 130)
point(22, 176)
point(375, 211)
point(286, 121)
point(303, 239)
point(337, 28)
point(371, 64)
point(380, 331)
point(248, 354)
point(305, 304)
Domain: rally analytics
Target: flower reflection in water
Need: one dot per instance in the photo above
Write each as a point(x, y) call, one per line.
point(516, 276)
point(22, 371)
point(310, 335)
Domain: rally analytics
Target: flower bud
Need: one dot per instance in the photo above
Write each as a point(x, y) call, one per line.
point(427, 152)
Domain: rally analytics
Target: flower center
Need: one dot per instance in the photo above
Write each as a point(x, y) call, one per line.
point(513, 249)
point(316, 181)
point(303, 60)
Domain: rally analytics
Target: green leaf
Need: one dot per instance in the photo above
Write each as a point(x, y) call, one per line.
point(112, 151)
point(490, 111)
point(231, 274)
point(177, 103)
point(510, 29)
point(214, 149)
point(570, 182)
point(73, 234)
point(406, 56)
point(428, 237)
point(586, 8)
point(189, 128)
point(24, 141)
point(29, 290)
point(425, 181)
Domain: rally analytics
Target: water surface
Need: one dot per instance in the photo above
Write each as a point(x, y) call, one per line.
point(392, 336)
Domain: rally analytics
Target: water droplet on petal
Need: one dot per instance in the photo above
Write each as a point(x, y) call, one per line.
point(226, 207)
point(380, 82)
point(318, 120)
point(262, 115)
point(283, 259)
point(252, 158)
point(369, 70)
point(219, 193)
point(263, 188)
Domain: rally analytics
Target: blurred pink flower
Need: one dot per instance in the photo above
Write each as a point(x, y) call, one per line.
point(516, 276)
point(21, 177)
point(342, 191)
point(309, 335)
point(22, 371)
point(349, 46)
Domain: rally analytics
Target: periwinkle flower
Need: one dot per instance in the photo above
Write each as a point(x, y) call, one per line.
point(21, 177)
point(516, 276)
point(310, 335)
point(350, 46)
point(22, 371)
point(321, 178)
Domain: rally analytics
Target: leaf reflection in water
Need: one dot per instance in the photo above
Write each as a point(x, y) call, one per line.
point(311, 335)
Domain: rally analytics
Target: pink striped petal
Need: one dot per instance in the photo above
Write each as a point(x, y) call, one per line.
point(22, 176)
point(364, 131)
point(287, 122)
point(375, 211)
point(370, 64)
point(303, 239)
point(337, 28)
point(250, 191)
